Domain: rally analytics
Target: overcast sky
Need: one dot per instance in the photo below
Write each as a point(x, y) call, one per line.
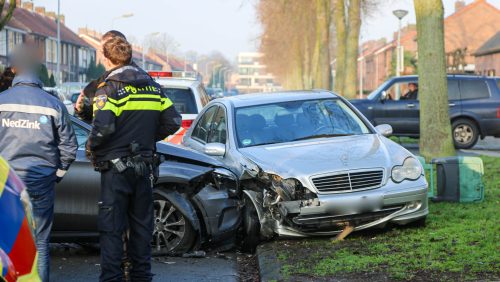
point(229, 26)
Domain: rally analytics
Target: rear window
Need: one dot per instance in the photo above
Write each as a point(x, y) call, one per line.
point(183, 100)
point(474, 89)
point(453, 92)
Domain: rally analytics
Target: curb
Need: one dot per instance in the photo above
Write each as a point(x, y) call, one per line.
point(269, 266)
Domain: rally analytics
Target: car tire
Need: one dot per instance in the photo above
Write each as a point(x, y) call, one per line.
point(250, 232)
point(465, 133)
point(172, 233)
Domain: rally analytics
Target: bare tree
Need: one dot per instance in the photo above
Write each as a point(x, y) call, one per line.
point(435, 128)
point(4, 19)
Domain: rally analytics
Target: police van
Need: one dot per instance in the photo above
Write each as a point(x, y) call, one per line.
point(186, 92)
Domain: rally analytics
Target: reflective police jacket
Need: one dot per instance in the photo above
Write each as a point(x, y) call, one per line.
point(130, 107)
point(36, 136)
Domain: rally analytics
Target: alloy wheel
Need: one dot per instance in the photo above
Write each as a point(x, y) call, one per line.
point(463, 134)
point(169, 226)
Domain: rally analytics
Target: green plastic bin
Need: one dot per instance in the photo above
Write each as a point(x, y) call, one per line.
point(459, 179)
point(428, 170)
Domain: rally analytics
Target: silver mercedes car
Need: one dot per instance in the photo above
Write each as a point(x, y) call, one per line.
point(309, 163)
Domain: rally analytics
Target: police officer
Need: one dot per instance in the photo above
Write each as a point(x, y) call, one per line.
point(130, 114)
point(83, 106)
point(37, 139)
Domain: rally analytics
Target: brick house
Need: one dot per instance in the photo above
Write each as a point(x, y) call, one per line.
point(171, 63)
point(35, 26)
point(487, 57)
point(464, 34)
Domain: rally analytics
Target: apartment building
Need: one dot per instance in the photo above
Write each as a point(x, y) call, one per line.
point(253, 75)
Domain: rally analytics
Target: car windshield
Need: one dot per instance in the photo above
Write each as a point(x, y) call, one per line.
point(296, 120)
point(183, 99)
point(377, 91)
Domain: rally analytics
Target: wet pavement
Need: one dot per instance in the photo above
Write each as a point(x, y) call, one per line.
point(74, 263)
point(489, 146)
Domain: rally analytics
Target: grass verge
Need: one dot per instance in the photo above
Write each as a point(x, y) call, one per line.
point(459, 242)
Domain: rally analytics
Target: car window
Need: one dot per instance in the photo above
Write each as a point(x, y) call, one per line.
point(81, 135)
point(403, 91)
point(473, 89)
point(218, 128)
point(183, 99)
point(453, 91)
point(203, 95)
point(295, 120)
point(200, 132)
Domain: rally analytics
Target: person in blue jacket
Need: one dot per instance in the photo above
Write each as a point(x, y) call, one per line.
point(37, 139)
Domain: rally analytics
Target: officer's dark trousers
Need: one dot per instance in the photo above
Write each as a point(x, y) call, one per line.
point(125, 198)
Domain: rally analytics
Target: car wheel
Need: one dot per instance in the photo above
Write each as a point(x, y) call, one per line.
point(172, 233)
point(465, 133)
point(251, 227)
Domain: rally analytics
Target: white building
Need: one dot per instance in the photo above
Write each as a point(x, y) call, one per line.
point(253, 76)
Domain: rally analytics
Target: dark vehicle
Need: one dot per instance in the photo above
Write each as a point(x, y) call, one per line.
point(195, 200)
point(474, 107)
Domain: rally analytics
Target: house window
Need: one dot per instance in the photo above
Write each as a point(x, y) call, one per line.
point(3, 43)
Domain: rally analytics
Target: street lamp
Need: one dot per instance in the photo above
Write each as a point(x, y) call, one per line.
point(128, 15)
point(400, 14)
point(219, 82)
point(58, 66)
point(144, 48)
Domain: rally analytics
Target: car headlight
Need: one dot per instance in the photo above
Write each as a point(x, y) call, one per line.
point(225, 179)
point(284, 187)
point(410, 170)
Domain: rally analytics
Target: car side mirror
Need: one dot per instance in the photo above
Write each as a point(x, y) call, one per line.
point(384, 129)
point(215, 149)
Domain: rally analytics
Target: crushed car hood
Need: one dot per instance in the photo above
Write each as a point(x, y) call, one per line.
point(324, 155)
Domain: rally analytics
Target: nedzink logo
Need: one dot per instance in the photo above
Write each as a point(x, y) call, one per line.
point(43, 119)
point(20, 123)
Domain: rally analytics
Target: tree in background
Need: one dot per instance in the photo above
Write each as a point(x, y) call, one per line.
point(296, 41)
point(8, 14)
point(94, 71)
point(435, 129)
point(43, 74)
point(347, 14)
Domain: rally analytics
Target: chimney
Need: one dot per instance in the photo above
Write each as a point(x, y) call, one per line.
point(40, 10)
point(62, 18)
point(459, 4)
point(51, 15)
point(28, 6)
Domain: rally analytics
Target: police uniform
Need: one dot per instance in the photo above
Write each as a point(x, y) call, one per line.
point(130, 115)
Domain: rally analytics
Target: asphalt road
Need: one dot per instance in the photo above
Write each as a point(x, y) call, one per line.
point(73, 263)
point(489, 146)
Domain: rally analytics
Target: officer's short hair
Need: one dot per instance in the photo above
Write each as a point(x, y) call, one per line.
point(117, 50)
point(112, 34)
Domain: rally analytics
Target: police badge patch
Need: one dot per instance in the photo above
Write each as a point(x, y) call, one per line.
point(100, 101)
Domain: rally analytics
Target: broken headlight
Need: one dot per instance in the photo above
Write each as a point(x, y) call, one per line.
point(226, 180)
point(285, 188)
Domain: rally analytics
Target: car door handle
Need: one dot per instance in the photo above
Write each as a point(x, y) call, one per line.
point(451, 104)
point(410, 105)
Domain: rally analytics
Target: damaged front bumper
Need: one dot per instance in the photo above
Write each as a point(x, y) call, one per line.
point(329, 214)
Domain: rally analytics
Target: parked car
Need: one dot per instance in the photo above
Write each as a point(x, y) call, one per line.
point(17, 239)
point(188, 95)
point(195, 200)
point(309, 163)
point(69, 88)
point(474, 107)
point(68, 103)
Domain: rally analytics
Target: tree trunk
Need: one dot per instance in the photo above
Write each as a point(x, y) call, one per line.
point(5, 19)
point(435, 128)
point(340, 31)
point(352, 43)
point(322, 70)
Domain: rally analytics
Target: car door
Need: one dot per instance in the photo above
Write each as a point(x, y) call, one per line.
point(75, 207)
point(454, 102)
point(401, 114)
point(200, 133)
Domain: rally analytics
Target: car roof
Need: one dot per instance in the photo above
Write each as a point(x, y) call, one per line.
point(175, 82)
point(468, 76)
point(245, 100)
